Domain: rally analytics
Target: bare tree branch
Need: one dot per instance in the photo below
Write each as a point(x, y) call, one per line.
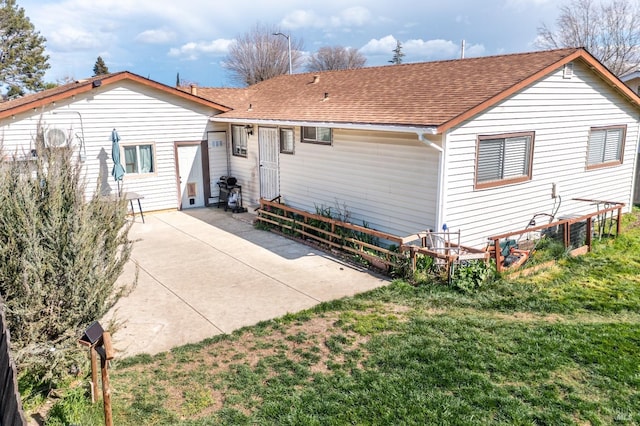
point(609, 30)
point(336, 58)
point(259, 55)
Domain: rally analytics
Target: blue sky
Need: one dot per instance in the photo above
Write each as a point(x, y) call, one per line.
point(159, 38)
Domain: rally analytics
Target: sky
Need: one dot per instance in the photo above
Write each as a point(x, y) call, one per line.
point(158, 39)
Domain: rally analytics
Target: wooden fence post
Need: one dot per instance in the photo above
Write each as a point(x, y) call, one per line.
point(94, 374)
point(106, 390)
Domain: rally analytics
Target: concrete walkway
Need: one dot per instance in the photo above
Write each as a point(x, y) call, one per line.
point(204, 272)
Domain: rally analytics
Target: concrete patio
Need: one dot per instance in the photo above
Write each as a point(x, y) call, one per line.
point(204, 272)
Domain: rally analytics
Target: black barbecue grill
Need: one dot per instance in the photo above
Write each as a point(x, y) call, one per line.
point(230, 194)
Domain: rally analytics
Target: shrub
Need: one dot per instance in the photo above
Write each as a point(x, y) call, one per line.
point(472, 275)
point(60, 256)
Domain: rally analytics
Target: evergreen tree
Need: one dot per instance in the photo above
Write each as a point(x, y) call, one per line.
point(60, 257)
point(100, 68)
point(397, 54)
point(22, 59)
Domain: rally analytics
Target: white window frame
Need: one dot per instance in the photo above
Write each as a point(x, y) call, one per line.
point(316, 135)
point(239, 139)
point(503, 159)
point(605, 147)
point(138, 165)
point(287, 144)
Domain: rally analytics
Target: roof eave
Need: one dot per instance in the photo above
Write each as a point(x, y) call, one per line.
point(591, 61)
point(89, 85)
point(397, 128)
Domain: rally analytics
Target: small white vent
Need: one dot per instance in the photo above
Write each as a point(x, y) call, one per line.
point(55, 137)
point(568, 70)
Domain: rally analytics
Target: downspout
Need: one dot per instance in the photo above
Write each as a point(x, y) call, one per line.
point(440, 196)
point(636, 163)
point(427, 142)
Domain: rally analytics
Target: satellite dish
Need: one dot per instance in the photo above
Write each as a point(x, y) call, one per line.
point(55, 137)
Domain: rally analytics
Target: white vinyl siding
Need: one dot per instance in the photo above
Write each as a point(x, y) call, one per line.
point(388, 181)
point(605, 146)
point(562, 113)
point(503, 159)
point(140, 114)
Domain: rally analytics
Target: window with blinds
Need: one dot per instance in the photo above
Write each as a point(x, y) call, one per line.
point(606, 145)
point(239, 141)
point(503, 159)
point(286, 141)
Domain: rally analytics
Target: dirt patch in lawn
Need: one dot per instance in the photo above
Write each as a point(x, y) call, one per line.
point(200, 379)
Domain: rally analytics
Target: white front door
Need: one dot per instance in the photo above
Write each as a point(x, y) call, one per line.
point(190, 176)
point(218, 166)
point(269, 168)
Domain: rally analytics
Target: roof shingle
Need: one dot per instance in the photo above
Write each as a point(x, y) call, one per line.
point(417, 94)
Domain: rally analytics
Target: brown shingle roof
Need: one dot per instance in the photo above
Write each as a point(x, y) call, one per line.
point(36, 100)
point(434, 94)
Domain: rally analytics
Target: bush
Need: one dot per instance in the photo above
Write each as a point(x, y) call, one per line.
point(472, 275)
point(60, 256)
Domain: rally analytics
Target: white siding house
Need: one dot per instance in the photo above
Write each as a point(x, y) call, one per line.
point(420, 146)
point(561, 113)
point(153, 122)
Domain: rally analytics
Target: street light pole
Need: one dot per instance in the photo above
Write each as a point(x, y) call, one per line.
point(288, 37)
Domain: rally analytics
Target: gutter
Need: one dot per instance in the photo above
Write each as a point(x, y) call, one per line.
point(428, 130)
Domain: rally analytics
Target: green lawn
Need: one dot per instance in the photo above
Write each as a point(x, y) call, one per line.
point(560, 347)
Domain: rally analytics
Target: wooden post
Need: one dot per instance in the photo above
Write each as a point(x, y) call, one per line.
point(497, 253)
point(412, 254)
point(619, 221)
point(94, 374)
point(589, 232)
point(106, 390)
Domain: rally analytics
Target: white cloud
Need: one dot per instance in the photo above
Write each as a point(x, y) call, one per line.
point(379, 46)
point(346, 19)
point(193, 50)
point(420, 50)
point(475, 50)
point(352, 17)
point(69, 39)
point(523, 3)
point(159, 36)
point(462, 19)
point(431, 48)
point(301, 19)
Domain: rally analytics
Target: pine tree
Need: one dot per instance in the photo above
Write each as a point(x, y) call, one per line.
point(100, 68)
point(22, 59)
point(397, 54)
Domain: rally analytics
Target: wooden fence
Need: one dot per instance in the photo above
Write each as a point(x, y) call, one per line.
point(11, 413)
point(367, 243)
point(594, 223)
